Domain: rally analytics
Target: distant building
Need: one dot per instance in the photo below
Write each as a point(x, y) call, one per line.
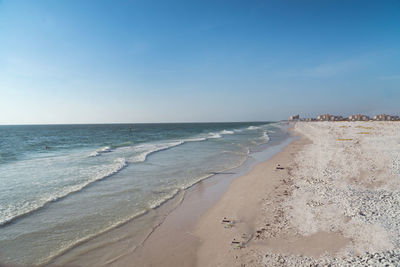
point(384, 117)
point(324, 117)
point(381, 117)
point(359, 117)
point(356, 117)
point(328, 117)
point(308, 119)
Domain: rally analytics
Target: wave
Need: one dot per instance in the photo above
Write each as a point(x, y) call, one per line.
point(195, 139)
point(158, 202)
point(180, 189)
point(253, 127)
point(214, 136)
point(152, 148)
point(118, 165)
point(265, 136)
point(191, 183)
point(147, 149)
point(108, 149)
point(100, 151)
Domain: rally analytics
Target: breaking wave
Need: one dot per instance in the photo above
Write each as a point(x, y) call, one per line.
point(253, 128)
point(147, 149)
point(100, 151)
point(10, 213)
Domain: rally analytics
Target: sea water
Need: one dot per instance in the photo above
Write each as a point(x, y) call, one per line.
point(61, 185)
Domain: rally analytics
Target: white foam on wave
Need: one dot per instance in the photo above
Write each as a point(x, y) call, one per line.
point(158, 202)
point(146, 149)
point(118, 164)
point(143, 150)
point(206, 176)
point(200, 139)
point(214, 136)
point(253, 128)
point(265, 136)
point(11, 212)
point(227, 132)
point(100, 151)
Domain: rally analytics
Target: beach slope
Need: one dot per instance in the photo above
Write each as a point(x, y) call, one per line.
point(332, 199)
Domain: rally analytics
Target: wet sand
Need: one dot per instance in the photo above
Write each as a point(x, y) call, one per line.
point(244, 203)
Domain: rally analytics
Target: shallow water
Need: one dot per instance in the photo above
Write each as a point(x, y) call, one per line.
point(61, 185)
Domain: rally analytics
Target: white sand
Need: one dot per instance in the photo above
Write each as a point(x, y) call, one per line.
point(338, 179)
point(336, 202)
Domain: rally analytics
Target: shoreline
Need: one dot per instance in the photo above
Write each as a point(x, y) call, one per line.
point(116, 246)
point(222, 245)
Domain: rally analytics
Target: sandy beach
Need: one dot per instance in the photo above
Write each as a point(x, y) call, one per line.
point(334, 202)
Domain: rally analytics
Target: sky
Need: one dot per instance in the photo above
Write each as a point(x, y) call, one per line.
point(118, 61)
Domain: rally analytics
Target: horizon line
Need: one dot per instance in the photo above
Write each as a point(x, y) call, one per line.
point(109, 123)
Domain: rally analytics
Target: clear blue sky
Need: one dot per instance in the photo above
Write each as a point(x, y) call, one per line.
point(79, 61)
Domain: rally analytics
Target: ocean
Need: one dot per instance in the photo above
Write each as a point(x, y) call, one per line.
point(61, 185)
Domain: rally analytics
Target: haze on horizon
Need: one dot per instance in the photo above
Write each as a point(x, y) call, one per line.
point(185, 61)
